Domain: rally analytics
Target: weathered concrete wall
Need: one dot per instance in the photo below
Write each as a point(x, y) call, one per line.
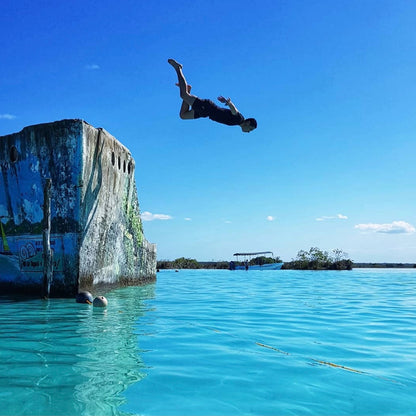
point(113, 248)
point(96, 231)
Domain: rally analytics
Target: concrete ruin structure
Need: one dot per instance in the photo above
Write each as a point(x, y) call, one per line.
point(69, 212)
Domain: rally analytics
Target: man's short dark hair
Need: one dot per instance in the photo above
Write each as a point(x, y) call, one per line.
point(252, 122)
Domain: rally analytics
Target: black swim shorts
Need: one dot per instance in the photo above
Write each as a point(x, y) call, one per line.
point(203, 108)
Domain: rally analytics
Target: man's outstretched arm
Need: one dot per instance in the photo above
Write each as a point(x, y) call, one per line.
point(227, 101)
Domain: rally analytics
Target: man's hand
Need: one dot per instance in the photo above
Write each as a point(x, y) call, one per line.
point(223, 100)
point(227, 101)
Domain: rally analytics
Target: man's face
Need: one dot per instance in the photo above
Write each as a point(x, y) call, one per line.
point(246, 127)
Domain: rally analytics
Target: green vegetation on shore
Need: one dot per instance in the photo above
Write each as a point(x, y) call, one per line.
point(183, 263)
point(313, 259)
point(316, 259)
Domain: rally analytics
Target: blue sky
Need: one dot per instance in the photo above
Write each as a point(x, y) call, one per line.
point(330, 82)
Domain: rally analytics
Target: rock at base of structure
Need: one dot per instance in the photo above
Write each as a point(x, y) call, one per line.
point(96, 233)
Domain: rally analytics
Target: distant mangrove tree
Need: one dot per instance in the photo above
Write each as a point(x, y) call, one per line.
point(316, 259)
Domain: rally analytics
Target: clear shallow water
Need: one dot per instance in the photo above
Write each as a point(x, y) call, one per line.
point(218, 342)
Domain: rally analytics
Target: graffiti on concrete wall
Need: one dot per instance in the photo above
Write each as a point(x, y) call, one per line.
point(96, 234)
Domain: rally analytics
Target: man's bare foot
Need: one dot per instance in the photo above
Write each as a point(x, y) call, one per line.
point(175, 64)
point(188, 87)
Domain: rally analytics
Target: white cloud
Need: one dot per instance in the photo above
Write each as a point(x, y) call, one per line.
point(333, 217)
point(148, 216)
point(92, 67)
point(342, 217)
point(396, 227)
point(7, 116)
point(188, 219)
point(270, 218)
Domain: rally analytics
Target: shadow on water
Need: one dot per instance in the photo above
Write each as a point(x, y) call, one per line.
point(59, 357)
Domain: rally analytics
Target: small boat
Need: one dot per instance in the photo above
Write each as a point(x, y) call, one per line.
point(247, 266)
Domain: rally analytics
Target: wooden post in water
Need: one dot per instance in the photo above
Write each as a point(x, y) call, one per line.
point(47, 252)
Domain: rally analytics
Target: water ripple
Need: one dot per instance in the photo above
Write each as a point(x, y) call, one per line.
point(218, 343)
point(280, 343)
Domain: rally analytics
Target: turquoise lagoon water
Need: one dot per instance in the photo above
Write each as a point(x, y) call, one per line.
point(209, 342)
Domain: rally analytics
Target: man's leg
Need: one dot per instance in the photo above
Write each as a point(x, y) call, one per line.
point(185, 113)
point(183, 85)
